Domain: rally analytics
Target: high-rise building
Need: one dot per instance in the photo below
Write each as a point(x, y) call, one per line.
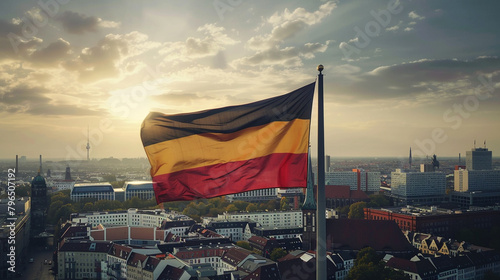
point(478, 159)
point(38, 204)
point(357, 179)
point(418, 187)
point(327, 163)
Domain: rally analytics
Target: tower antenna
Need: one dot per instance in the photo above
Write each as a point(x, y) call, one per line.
point(88, 143)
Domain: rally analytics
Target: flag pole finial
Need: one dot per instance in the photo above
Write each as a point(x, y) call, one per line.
point(320, 68)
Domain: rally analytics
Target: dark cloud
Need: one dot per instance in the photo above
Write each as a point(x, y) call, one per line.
point(32, 100)
point(23, 94)
point(448, 77)
point(62, 110)
point(99, 62)
point(288, 55)
point(52, 55)
point(77, 23)
point(13, 43)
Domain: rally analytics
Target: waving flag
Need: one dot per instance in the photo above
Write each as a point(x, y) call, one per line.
point(230, 150)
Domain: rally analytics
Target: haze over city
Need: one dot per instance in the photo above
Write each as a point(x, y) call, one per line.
point(403, 73)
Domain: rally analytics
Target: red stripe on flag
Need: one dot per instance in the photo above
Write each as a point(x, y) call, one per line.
point(272, 171)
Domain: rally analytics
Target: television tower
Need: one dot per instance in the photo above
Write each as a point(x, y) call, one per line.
point(410, 158)
point(88, 143)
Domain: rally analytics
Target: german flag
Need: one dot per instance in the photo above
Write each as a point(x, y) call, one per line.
point(230, 150)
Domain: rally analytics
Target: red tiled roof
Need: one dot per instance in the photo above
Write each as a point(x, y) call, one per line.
point(120, 251)
point(234, 256)
point(353, 234)
point(419, 267)
point(171, 273)
point(337, 192)
point(358, 194)
point(134, 259)
point(85, 246)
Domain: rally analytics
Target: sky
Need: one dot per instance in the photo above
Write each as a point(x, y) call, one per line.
point(397, 74)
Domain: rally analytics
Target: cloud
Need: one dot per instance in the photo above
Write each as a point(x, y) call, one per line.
point(413, 15)
point(103, 60)
point(51, 55)
point(77, 23)
point(215, 40)
point(287, 24)
point(33, 100)
point(426, 79)
point(13, 43)
point(288, 56)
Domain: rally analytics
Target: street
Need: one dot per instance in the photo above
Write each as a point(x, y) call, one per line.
point(38, 270)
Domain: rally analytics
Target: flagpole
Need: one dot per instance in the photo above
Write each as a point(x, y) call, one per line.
point(320, 214)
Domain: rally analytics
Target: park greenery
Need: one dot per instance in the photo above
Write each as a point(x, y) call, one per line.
point(370, 266)
point(61, 206)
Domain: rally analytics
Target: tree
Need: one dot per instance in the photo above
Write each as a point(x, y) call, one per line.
point(241, 205)
point(89, 206)
point(244, 245)
point(284, 205)
point(51, 214)
point(251, 207)
point(356, 210)
point(231, 208)
point(277, 253)
point(379, 200)
point(369, 266)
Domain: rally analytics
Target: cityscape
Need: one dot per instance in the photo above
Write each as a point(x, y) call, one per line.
point(427, 218)
point(246, 140)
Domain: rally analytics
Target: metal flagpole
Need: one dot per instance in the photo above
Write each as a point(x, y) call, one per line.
point(320, 214)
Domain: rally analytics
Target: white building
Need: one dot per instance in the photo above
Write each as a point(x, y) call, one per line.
point(142, 189)
point(99, 191)
point(131, 217)
point(60, 185)
point(256, 195)
point(267, 219)
point(356, 179)
point(81, 259)
point(477, 180)
point(418, 187)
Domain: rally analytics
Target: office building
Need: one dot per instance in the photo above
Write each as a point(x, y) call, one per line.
point(357, 179)
point(255, 196)
point(478, 159)
point(418, 187)
point(141, 189)
point(99, 191)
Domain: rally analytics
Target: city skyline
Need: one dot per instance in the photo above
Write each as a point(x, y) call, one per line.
point(398, 74)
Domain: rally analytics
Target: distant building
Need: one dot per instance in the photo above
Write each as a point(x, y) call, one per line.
point(267, 219)
point(235, 230)
point(82, 259)
point(431, 220)
point(477, 180)
point(22, 235)
point(413, 188)
point(131, 217)
point(255, 196)
point(39, 204)
point(476, 184)
point(357, 179)
point(340, 196)
point(478, 159)
point(99, 191)
point(63, 184)
point(141, 189)
point(355, 234)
